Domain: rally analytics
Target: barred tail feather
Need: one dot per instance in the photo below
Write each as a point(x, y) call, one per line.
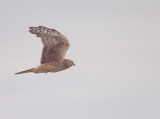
point(26, 71)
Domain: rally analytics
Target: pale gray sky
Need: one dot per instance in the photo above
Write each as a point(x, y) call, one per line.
point(114, 43)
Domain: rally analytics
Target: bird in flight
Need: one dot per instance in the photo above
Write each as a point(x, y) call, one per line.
point(53, 53)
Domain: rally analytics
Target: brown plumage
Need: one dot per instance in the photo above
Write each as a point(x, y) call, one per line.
point(53, 53)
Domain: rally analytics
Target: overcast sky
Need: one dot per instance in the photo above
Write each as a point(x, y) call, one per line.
point(114, 43)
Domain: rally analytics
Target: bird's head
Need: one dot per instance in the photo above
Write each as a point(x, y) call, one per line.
point(69, 63)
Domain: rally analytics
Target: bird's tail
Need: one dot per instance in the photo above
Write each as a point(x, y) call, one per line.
point(26, 71)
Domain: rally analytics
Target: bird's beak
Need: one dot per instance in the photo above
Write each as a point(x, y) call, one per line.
point(74, 65)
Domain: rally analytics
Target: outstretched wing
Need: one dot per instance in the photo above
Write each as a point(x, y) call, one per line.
point(55, 44)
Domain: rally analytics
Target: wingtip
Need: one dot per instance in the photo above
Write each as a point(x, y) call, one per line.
point(31, 27)
point(16, 73)
point(26, 71)
point(31, 31)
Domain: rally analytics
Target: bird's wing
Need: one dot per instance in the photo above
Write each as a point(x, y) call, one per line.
point(55, 44)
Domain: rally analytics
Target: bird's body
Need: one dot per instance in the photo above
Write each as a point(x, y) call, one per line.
point(54, 50)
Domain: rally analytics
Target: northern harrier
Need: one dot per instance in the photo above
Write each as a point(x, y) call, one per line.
point(54, 50)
